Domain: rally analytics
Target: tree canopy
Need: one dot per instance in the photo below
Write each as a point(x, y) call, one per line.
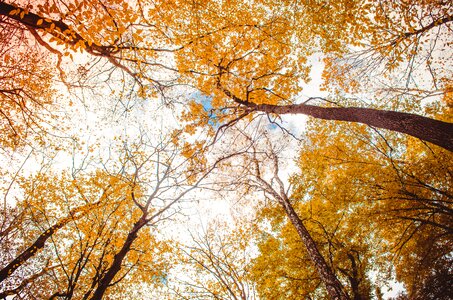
point(120, 121)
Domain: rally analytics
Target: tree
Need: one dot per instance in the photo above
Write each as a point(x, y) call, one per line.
point(261, 71)
point(257, 171)
point(367, 207)
point(283, 269)
point(335, 225)
point(112, 30)
point(397, 199)
point(39, 243)
point(43, 203)
point(46, 43)
point(215, 262)
point(329, 279)
point(27, 94)
point(249, 59)
point(392, 39)
point(94, 230)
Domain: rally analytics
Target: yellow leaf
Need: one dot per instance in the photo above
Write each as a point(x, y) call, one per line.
point(14, 12)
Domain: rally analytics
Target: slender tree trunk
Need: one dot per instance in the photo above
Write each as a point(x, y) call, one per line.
point(354, 279)
point(436, 23)
point(434, 131)
point(328, 277)
point(22, 285)
point(29, 252)
point(333, 285)
point(41, 240)
point(118, 259)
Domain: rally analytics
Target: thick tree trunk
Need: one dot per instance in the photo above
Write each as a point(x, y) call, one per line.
point(333, 285)
point(56, 28)
point(118, 259)
point(434, 131)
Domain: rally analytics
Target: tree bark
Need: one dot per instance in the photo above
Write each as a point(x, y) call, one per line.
point(328, 277)
point(56, 28)
point(434, 131)
point(333, 285)
point(118, 259)
point(438, 132)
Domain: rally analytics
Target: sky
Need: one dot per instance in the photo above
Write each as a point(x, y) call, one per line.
point(97, 119)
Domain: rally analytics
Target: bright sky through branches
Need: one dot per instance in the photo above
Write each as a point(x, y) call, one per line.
point(226, 149)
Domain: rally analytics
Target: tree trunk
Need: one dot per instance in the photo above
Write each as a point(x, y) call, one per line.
point(333, 285)
point(118, 259)
point(434, 131)
point(41, 240)
point(56, 28)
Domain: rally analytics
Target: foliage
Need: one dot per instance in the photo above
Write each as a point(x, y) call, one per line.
point(368, 201)
point(26, 94)
point(78, 254)
point(215, 263)
point(388, 198)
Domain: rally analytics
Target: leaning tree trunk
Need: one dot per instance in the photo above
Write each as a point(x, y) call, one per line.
point(434, 131)
point(40, 242)
point(118, 259)
point(56, 28)
point(438, 132)
point(333, 285)
point(326, 274)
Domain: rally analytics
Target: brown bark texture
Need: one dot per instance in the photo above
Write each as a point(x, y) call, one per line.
point(430, 130)
point(118, 259)
point(333, 285)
